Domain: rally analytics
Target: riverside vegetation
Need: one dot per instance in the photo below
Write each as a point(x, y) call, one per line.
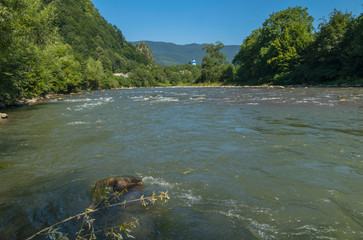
point(106, 195)
point(88, 228)
point(64, 46)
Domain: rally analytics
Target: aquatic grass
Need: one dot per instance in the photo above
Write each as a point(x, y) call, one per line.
point(87, 230)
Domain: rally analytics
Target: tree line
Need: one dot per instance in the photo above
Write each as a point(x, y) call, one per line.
point(63, 46)
point(287, 50)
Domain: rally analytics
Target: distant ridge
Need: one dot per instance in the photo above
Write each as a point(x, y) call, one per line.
point(173, 54)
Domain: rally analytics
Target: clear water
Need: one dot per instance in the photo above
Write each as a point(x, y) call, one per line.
point(238, 163)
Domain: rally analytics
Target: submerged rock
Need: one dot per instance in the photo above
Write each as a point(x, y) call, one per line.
point(3, 115)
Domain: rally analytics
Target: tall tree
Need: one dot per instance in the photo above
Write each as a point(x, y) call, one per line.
point(212, 64)
point(275, 47)
point(324, 58)
point(353, 50)
point(94, 73)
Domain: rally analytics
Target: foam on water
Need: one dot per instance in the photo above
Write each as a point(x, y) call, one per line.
point(189, 197)
point(89, 103)
point(87, 106)
point(157, 181)
point(78, 100)
point(77, 123)
point(261, 230)
point(154, 99)
point(166, 99)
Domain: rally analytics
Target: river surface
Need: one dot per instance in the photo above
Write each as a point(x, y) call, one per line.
point(238, 163)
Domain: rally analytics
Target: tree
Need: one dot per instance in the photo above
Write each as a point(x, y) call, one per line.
point(28, 39)
point(212, 64)
point(227, 73)
point(353, 60)
point(324, 57)
point(289, 48)
point(94, 73)
point(275, 47)
point(140, 77)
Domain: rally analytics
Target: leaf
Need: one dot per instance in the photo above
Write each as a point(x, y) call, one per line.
point(129, 235)
point(119, 236)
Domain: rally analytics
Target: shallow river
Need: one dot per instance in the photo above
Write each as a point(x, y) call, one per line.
point(238, 163)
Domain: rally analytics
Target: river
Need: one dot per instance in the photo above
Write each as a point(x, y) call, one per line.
point(238, 163)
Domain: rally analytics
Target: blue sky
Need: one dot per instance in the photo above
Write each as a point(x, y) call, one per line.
point(205, 21)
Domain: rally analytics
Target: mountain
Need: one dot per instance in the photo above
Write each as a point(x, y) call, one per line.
point(173, 54)
point(90, 35)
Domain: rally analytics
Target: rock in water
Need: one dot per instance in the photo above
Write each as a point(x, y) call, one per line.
point(3, 115)
point(116, 184)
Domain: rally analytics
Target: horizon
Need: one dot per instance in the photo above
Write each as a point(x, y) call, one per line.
point(203, 22)
point(181, 44)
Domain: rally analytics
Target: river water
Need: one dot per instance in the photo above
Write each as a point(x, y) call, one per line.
point(238, 163)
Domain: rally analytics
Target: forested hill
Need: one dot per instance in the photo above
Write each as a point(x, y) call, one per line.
point(82, 27)
point(173, 54)
point(59, 46)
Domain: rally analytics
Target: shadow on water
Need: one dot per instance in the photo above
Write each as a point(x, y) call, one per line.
point(32, 203)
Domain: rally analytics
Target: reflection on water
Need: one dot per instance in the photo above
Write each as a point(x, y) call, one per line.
point(239, 163)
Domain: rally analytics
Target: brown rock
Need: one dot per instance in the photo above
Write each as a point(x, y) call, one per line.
point(32, 101)
point(116, 184)
point(3, 115)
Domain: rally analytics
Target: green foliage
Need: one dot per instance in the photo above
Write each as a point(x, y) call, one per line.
point(286, 51)
point(140, 77)
point(276, 47)
point(94, 74)
point(214, 66)
point(33, 59)
point(228, 73)
point(353, 60)
point(154, 75)
point(289, 47)
point(60, 46)
point(324, 56)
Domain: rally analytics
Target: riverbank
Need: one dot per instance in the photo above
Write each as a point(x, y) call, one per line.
point(220, 84)
point(36, 100)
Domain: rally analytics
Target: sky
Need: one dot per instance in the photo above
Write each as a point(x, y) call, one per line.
point(206, 21)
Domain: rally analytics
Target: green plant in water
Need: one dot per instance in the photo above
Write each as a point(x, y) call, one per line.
point(87, 230)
